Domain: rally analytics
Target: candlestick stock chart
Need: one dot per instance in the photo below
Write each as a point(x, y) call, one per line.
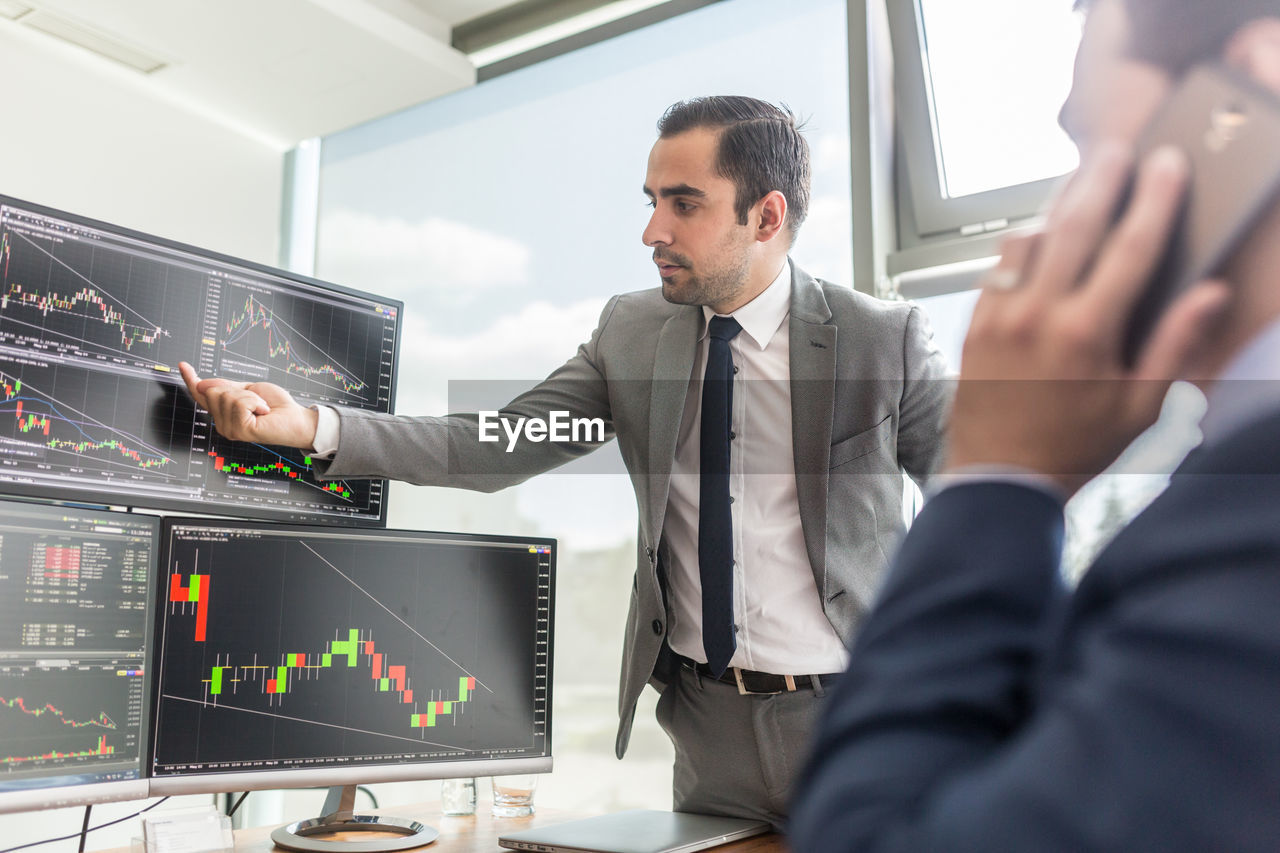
point(55, 715)
point(93, 321)
point(75, 620)
point(297, 648)
point(96, 300)
point(89, 426)
point(314, 350)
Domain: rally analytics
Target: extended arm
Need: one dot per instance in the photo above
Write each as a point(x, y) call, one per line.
point(443, 451)
point(447, 451)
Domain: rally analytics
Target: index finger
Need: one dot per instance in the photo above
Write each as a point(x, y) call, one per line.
point(192, 380)
point(1081, 218)
point(1133, 251)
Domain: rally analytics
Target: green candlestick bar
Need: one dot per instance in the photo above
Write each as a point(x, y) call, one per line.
point(349, 647)
point(215, 679)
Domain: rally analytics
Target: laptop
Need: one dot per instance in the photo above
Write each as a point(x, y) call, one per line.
point(638, 831)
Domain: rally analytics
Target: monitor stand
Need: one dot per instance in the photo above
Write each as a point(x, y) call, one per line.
point(337, 816)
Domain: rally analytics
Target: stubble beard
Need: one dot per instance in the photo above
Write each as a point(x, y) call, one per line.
point(714, 287)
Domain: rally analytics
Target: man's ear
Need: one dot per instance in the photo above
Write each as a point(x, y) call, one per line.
point(770, 216)
point(1255, 50)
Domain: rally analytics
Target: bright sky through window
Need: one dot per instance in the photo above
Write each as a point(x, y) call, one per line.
point(999, 71)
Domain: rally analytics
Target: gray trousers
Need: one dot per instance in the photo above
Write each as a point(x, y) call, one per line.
point(736, 755)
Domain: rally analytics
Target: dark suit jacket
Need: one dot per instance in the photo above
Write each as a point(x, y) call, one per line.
point(987, 709)
point(868, 399)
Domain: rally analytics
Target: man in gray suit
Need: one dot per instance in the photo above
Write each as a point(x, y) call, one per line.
point(765, 418)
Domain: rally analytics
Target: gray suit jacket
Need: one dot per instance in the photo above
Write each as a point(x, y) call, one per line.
point(869, 399)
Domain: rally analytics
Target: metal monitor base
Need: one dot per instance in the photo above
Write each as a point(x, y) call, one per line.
point(338, 817)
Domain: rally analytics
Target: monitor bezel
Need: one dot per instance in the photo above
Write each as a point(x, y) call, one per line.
point(70, 796)
point(105, 498)
point(90, 793)
point(252, 780)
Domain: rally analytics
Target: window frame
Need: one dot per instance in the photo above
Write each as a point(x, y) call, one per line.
point(927, 213)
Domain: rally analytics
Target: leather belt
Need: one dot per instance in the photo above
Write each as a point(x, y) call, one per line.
point(750, 682)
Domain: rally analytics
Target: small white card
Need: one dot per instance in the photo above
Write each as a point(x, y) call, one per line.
point(189, 831)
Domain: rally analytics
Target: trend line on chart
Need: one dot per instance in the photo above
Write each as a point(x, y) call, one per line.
point(282, 466)
point(277, 680)
point(102, 720)
point(93, 297)
point(255, 315)
point(31, 422)
point(393, 614)
point(419, 740)
point(101, 749)
point(195, 592)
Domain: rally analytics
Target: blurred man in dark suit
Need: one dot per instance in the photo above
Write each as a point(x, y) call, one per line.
point(988, 708)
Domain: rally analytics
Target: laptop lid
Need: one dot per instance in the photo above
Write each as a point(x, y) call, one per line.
point(638, 831)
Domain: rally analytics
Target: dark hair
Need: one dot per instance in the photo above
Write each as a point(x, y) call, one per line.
point(761, 149)
point(1177, 34)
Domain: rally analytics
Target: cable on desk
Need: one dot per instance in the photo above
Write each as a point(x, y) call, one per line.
point(237, 804)
point(84, 827)
point(80, 834)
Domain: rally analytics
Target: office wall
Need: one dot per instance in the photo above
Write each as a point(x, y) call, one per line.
point(83, 135)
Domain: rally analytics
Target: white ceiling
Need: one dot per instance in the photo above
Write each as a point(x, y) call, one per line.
point(279, 70)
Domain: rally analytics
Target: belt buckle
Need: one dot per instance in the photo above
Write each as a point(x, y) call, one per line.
point(743, 691)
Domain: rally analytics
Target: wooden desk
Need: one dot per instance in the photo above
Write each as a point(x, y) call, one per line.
point(474, 834)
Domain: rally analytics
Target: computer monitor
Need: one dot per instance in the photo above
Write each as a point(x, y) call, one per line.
point(93, 321)
point(292, 656)
point(75, 623)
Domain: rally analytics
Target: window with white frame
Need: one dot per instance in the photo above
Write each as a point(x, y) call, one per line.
point(978, 86)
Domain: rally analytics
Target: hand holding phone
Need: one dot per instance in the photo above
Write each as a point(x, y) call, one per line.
point(1229, 129)
point(1043, 387)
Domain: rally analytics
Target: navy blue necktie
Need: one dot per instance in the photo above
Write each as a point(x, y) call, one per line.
point(715, 523)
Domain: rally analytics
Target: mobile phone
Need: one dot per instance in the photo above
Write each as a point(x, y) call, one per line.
point(1229, 128)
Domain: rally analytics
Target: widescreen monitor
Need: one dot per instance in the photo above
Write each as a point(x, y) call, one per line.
point(75, 623)
point(93, 321)
point(292, 656)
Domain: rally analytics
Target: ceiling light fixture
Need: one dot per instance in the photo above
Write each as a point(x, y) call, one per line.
point(559, 30)
point(93, 40)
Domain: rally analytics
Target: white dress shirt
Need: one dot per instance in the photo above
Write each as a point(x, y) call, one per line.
point(1247, 390)
point(776, 605)
point(326, 441)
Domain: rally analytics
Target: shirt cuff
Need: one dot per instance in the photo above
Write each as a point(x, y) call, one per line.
point(1010, 474)
point(326, 441)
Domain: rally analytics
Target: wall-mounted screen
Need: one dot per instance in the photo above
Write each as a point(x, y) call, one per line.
point(75, 623)
point(93, 321)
